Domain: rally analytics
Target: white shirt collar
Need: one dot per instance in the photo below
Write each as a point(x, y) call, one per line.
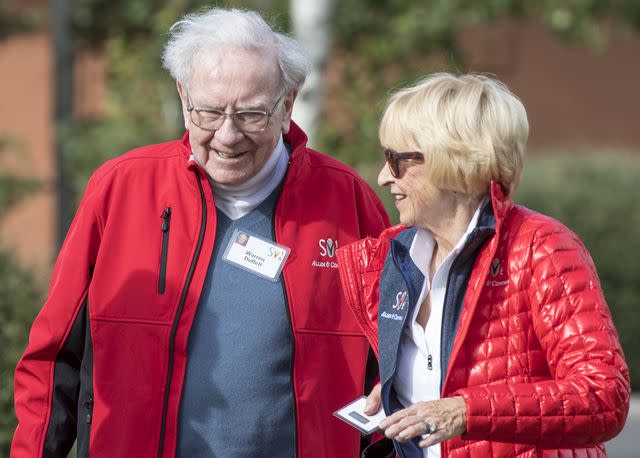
point(423, 242)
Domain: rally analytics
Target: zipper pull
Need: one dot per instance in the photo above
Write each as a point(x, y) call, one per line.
point(166, 216)
point(89, 405)
point(429, 362)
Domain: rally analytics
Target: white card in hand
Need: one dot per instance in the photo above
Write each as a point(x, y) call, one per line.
point(353, 413)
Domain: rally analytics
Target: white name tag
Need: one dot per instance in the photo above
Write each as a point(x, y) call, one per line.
point(254, 254)
point(353, 413)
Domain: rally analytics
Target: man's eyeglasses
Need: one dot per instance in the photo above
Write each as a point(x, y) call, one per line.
point(394, 158)
point(249, 121)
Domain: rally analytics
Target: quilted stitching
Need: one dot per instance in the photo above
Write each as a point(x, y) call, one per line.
point(542, 361)
point(537, 357)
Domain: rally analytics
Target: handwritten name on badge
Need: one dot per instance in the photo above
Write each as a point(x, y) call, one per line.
point(254, 254)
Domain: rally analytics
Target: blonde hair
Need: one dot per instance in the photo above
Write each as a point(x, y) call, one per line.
point(472, 129)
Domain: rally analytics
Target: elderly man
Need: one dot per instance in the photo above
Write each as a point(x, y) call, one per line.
point(168, 332)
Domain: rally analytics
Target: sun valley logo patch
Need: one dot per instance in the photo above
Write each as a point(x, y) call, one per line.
point(496, 268)
point(401, 300)
point(328, 247)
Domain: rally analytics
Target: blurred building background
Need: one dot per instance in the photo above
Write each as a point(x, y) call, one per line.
point(27, 125)
point(577, 73)
point(578, 100)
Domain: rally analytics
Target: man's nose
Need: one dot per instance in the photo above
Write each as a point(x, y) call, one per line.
point(228, 133)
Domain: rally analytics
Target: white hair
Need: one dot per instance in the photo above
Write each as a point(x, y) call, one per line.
point(211, 29)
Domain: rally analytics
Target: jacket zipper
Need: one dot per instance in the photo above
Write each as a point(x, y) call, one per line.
point(166, 225)
point(286, 307)
point(396, 261)
point(88, 404)
point(447, 297)
point(174, 328)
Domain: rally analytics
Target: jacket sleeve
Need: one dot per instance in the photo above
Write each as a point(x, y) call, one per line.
point(587, 400)
point(360, 295)
point(372, 214)
point(47, 376)
point(355, 261)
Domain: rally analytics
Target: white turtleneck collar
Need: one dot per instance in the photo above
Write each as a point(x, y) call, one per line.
point(235, 201)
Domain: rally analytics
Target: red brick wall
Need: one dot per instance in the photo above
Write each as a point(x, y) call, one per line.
point(25, 117)
point(575, 97)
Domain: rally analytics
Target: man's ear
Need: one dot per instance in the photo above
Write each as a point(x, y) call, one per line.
point(289, 100)
point(183, 101)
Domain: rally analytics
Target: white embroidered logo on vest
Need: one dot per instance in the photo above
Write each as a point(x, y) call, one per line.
point(401, 300)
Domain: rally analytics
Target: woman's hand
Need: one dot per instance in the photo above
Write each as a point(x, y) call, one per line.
point(374, 401)
point(442, 419)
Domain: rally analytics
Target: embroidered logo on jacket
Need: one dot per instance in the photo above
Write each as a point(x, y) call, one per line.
point(391, 316)
point(496, 269)
point(328, 249)
point(401, 300)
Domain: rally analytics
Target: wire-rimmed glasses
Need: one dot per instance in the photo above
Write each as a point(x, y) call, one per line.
point(249, 121)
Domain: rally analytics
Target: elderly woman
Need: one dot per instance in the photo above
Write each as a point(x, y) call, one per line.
point(491, 329)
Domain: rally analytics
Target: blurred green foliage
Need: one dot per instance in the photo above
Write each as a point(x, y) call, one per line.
point(15, 18)
point(13, 189)
point(19, 300)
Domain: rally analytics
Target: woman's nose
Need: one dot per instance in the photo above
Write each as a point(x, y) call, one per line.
point(384, 177)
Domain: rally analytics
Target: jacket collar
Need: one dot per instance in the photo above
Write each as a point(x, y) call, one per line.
point(500, 203)
point(400, 283)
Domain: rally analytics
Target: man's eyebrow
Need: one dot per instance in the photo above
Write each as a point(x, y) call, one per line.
point(253, 107)
point(207, 107)
point(260, 106)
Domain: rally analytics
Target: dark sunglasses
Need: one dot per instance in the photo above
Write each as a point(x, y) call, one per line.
point(394, 158)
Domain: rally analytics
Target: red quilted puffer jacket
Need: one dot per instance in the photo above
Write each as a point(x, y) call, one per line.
point(536, 356)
